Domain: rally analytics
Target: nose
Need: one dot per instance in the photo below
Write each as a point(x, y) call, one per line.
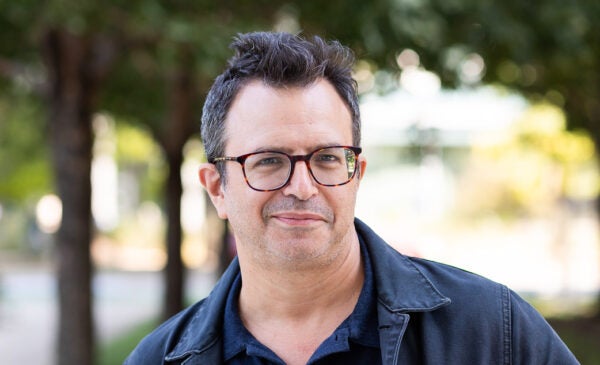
point(301, 184)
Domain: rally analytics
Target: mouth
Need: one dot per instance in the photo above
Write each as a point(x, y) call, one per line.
point(298, 219)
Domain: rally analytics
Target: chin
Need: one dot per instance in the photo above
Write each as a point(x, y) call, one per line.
point(304, 251)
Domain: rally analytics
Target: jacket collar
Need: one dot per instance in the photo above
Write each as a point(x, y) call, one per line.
point(401, 288)
point(205, 329)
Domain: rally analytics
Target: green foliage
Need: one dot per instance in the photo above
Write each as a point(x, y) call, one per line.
point(138, 153)
point(116, 350)
point(135, 145)
point(528, 170)
point(24, 158)
point(17, 26)
point(548, 50)
point(581, 336)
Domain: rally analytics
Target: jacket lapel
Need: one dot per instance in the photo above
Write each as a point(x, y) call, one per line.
point(401, 288)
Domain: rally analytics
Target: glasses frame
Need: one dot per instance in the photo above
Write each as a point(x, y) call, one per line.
point(293, 159)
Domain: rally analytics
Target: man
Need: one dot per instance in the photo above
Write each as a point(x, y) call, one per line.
point(312, 284)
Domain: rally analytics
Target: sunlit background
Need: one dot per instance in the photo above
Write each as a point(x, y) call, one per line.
point(476, 176)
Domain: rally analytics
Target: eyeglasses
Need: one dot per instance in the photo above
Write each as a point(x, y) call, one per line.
point(272, 170)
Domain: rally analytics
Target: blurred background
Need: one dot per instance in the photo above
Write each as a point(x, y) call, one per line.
point(481, 124)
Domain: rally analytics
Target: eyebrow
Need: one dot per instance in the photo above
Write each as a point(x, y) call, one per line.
point(288, 150)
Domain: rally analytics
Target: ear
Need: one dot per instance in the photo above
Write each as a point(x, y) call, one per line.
point(211, 181)
point(362, 166)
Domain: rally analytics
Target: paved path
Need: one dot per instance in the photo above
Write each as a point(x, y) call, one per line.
point(28, 308)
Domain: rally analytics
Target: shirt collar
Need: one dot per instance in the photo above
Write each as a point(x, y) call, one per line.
point(236, 338)
point(235, 335)
point(363, 320)
point(360, 327)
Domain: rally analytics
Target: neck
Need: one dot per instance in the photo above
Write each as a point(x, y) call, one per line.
point(293, 312)
point(298, 293)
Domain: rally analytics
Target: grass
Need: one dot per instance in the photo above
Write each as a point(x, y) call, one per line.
point(582, 336)
point(116, 350)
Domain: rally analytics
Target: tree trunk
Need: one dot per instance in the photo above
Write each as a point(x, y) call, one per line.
point(69, 103)
point(174, 271)
point(179, 128)
point(594, 114)
point(226, 251)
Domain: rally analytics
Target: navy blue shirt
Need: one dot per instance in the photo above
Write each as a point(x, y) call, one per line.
point(355, 341)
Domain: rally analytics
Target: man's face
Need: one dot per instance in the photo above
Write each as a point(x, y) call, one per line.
point(302, 224)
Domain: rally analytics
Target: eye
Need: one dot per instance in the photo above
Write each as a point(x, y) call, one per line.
point(273, 160)
point(326, 157)
point(266, 160)
point(329, 156)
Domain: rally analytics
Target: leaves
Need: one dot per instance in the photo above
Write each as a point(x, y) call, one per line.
point(24, 165)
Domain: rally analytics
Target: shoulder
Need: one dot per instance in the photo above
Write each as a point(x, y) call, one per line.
point(405, 282)
point(450, 279)
point(153, 348)
point(472, 297)
point(445, 302)
point(195, 329)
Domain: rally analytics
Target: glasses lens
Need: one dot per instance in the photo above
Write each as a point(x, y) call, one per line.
point(267, 170)
point(333, 166)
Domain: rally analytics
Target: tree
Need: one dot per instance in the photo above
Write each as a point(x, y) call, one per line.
point(70, 111)
point(24, 167)
point(545, 50)
point(75, 62)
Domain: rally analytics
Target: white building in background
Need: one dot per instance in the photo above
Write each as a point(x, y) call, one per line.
point(457, 115)
point(407, 200)
point(430, 123)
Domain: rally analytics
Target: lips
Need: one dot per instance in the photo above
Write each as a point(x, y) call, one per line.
point(293, 212)
point(298, 218)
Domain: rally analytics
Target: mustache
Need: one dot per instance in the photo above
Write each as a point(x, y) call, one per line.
point(287, 204)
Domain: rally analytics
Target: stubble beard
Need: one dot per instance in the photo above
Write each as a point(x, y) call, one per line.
point(298, 248)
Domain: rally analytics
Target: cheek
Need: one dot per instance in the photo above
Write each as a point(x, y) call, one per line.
point(244, 205)
point(345, 202)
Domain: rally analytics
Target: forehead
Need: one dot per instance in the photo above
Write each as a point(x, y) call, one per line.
point(291, 118)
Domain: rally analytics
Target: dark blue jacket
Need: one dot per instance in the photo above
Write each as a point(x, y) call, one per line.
point(428, 313)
